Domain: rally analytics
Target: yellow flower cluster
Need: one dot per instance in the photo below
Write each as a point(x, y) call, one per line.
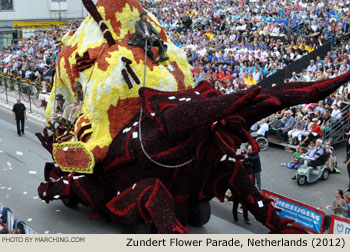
point(104, 87)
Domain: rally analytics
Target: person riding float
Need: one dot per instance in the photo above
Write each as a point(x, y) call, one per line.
point(143, 33)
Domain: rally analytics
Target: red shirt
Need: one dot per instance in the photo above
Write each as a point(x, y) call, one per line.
point(228, 76)
point(317, 129)
point(194, 72)
point(221, 75)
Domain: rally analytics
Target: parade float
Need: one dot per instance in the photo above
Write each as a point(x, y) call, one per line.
point(148, 147)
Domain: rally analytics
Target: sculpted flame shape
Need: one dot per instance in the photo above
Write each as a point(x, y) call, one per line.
point(162, 166)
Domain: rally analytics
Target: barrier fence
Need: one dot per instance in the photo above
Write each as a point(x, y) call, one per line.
point(27, 91)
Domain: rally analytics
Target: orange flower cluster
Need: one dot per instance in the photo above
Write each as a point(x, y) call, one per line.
point(18, 78)
point(38, 82)
point(26, 80)
point(11, 75)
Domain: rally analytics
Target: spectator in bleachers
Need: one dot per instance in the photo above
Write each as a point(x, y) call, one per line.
point(298, 127)
point(306, 131)
point(344, 67)
point(310, 111)
point(320, 107)
point(336, 113)
point(294, 77)
point(319, 117)
point(313, 134)
point(287, 125)
point(325, 126)
point(337, 101)
point(312, 67)
point(250, 81)
point(262, 128)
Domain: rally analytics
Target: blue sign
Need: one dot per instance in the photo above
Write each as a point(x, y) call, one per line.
point(304, 216)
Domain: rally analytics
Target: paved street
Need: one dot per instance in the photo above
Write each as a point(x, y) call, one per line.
point(22, 161)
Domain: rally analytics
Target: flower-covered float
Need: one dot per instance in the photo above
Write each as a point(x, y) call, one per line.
point(147, 147)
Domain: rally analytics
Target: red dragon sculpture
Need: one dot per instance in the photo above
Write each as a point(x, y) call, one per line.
point(168, 160)
point(131, 188)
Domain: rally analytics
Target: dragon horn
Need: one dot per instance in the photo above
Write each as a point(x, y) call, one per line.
point(193, 114)
point(305, 92)
point(286, 95)
point(91, 8)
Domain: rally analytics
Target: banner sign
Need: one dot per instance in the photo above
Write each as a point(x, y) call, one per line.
point(305, 216)
point(339, 225)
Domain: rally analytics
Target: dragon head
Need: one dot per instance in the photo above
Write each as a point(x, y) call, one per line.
point(110, 100)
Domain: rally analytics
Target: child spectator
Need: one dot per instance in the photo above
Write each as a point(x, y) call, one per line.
point(295, 158)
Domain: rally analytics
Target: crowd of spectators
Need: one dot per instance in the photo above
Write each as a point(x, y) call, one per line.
point(34, 58)
point(298, 124)
point(332, 65)
point(303, 124)
point(236, 43)
point(233, 44)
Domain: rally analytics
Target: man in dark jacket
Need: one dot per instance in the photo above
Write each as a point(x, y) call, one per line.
point(19, 114)
point(248, 166)
point(256, 165)
point(143, 32)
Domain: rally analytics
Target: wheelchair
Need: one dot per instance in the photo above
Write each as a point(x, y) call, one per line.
point(261, 141)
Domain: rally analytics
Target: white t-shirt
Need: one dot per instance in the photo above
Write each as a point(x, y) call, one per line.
point(145, 27)
point(336, 114)
point(263, 129)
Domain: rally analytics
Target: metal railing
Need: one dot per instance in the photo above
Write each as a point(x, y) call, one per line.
point(338, 128)
point(27, 91)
